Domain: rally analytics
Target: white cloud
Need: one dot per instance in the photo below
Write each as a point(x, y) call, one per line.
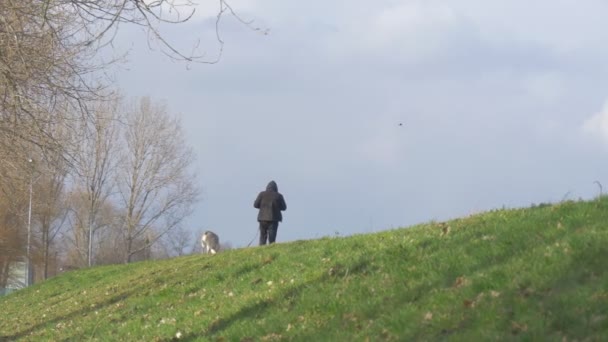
point(410, 23)
point(547, 87)
point(407, 31)
point(561, 25)
point(597, 125)
point(382, 149)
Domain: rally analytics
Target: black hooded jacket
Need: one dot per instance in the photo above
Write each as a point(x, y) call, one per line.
point(270, 203)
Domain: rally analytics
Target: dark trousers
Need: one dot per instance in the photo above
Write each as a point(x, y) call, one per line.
point(268, 231)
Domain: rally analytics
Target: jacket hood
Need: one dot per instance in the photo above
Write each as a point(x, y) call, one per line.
point(272, 186)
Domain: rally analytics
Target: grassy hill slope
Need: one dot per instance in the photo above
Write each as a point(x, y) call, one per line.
point(536, 273)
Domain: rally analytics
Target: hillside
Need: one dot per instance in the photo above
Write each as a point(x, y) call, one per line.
point(538, 273)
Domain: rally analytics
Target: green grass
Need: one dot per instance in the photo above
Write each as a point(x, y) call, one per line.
point(521, 274)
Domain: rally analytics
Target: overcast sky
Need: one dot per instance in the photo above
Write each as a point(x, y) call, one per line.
point(502, 103)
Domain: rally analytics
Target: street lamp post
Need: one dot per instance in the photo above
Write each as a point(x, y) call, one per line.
point(29, 233)
point(90, 240)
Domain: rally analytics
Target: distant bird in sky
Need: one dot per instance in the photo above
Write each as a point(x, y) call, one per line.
point(401, 124)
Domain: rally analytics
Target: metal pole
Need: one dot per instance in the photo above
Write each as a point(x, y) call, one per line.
point(90, 224)
point(29, 235)
point(90, 240)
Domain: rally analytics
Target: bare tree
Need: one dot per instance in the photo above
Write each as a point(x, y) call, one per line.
point(12, 240)
point(14, 190)
point(51, 210)
point(52, 97)
point(108, 15)
point(95, 160)
point(107, 239)
point(50, 56)
point(156, 187)
point(180, 242)
point(41, 68)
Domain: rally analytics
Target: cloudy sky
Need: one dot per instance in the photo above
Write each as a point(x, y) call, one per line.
point(502, 103)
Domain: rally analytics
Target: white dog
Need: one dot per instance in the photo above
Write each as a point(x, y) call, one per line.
point(210, 242)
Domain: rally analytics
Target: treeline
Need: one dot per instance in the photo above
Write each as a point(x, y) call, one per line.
point(118, 191)
point(87, 177)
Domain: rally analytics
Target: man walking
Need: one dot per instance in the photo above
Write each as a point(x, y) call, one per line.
point(270, 203)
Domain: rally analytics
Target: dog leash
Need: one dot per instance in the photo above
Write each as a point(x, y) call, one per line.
point(256, 235)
